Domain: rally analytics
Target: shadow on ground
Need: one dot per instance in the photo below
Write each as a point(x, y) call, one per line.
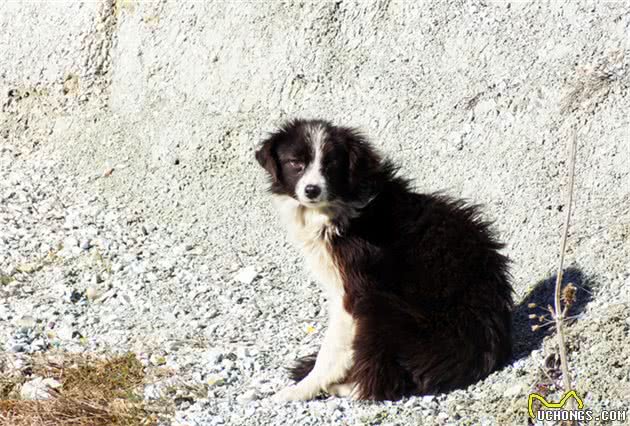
point(524, 339)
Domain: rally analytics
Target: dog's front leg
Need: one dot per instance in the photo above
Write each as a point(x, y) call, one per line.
point(333, 360)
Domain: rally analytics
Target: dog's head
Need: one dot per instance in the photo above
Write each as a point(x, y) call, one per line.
point(319, 164)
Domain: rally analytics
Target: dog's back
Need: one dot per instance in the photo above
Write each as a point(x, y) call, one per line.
point(437, 315)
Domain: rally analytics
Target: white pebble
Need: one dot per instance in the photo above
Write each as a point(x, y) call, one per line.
point(38, 388)
point(246, 275)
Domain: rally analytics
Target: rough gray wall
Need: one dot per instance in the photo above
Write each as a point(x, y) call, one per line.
point(476, 98)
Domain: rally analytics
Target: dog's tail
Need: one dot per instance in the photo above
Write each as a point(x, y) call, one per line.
point(302, 367)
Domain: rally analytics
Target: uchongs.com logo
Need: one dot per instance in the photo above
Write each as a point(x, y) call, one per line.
point(557, 411)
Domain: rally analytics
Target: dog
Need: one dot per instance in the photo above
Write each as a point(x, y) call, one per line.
point(419, 295)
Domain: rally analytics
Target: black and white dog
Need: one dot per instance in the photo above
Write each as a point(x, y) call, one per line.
point(419, 295)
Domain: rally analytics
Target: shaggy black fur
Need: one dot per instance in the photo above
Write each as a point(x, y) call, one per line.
point(302, 367)
point(429, 291)
point(423, 275)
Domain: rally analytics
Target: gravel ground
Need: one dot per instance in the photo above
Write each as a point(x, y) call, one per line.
point(133, 215)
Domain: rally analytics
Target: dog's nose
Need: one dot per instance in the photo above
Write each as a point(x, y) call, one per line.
point(312, 191)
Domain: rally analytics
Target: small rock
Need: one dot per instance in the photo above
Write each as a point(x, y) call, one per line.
point(39, 345)
point(74, 295)
point(85, 244)
point(70, 242)
point(513, 390)
point(246, 275)
point(64, 333)
point(217, 420)
point(103, 243)
point(215, 380)
point(152, 392)
point(26, 322)
point(242, 352)
point(91, 293)
point(228, 365)
point(157, 359)
point(174, 345)
point(18, 347)
point(442, 416)
point(137, 268)
point(428, 398)
point(144, 360)
point(248, 396)
point(214, 356)
point(108, 294)
point(38, 388)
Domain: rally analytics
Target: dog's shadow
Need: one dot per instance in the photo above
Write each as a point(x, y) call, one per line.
point(525, 340)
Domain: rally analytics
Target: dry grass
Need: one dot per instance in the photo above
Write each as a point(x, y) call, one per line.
point(94, 392)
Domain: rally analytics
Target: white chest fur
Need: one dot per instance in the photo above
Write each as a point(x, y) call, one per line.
point(305, 228)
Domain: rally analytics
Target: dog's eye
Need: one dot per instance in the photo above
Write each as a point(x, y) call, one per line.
point(296, 165)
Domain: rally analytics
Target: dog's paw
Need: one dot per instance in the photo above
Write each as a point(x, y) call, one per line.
point(295, 393)
point(343, 390)
point(285, 395)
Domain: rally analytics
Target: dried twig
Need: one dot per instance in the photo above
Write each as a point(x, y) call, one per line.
point(559, 312)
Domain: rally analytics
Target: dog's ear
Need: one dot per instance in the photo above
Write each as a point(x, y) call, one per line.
point(364, 162)
point(266, 157)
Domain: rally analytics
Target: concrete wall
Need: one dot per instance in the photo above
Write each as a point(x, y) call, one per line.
point(477, 98)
